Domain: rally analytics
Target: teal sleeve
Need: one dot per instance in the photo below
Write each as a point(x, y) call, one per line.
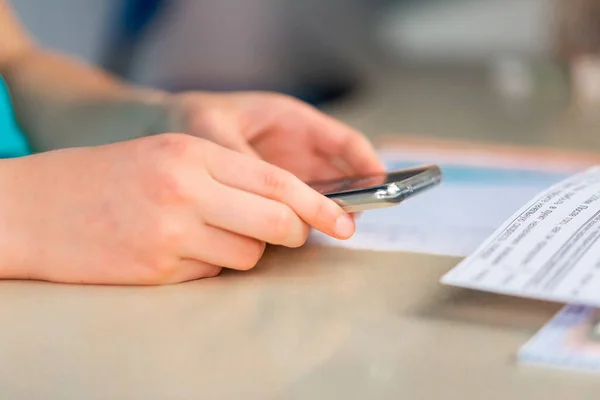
point(12, 140)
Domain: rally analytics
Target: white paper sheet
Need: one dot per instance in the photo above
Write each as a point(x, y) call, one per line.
point(549, 249)
point(454, 218)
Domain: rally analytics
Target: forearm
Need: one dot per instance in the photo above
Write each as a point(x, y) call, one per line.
point(61, 102)
point(11, 250)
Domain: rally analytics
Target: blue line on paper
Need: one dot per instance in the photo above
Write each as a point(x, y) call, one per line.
point(489, 175)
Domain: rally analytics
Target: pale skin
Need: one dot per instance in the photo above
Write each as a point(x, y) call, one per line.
point(176, 186)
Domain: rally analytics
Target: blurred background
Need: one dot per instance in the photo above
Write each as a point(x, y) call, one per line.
point(512, 69)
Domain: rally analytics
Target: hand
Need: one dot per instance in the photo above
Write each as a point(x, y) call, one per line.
point(280, 130)
point(162, 209)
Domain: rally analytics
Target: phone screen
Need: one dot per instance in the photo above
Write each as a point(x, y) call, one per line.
point(364, 182)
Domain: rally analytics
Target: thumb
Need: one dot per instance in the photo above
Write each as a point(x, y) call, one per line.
point(226, 134)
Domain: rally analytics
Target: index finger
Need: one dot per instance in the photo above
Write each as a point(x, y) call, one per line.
point(261, 178)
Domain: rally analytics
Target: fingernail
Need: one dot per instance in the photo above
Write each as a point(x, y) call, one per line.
point(344, 226)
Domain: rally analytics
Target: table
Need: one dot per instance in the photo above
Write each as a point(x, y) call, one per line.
point(307, 323)
point(312, 323)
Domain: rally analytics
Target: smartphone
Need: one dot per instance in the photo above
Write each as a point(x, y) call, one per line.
point(388, 189)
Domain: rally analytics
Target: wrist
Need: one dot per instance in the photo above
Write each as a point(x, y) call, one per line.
point(157, 107)
point(122, 115)
point(133, 113)
point(189, 110)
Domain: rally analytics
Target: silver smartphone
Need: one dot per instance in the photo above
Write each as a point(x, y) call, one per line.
point(388, 189)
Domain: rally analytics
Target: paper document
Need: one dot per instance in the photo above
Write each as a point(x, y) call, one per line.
point(480, 190)
point(571, 340)
point(549, 249)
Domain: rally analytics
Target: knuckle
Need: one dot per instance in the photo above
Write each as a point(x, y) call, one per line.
point(322, 213)
point(173, 145)
point(167, 236)
point(282, 98)
point(167, 188)
point(251, 255)
point(287, 228)
point(274, 182)
point(281, 223)
point(301, 237)
point(159, 271)
point(168, 233)
point(163, 174)
point(163, 185)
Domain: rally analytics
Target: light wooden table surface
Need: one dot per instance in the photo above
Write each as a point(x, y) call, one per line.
point(305, 324)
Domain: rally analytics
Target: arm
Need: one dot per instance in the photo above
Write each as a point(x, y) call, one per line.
point(61, 102)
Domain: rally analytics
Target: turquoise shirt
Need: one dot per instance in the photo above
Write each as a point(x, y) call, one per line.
point(12, 141)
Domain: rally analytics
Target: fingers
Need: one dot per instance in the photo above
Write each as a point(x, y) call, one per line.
point(278, 188)
point(336, 140)
point(235, 143)
point(191, 270)
point(325, 170)
point(256, 217)
point(223, 132)
point(224, 249)
point(231, 139)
